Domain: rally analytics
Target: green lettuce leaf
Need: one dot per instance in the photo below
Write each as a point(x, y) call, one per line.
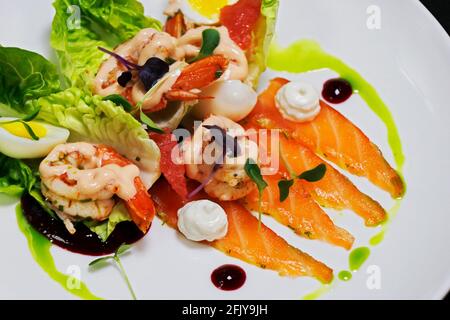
point(24, 76)
point(80, 26)
point(92, 119)
point(105, 228)
point(262, 38)
point(15, 176)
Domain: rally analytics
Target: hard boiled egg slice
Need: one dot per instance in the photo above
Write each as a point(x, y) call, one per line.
point(203, 11)
point(16, 142)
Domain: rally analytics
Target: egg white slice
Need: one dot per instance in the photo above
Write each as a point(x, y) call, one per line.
point(23, 148)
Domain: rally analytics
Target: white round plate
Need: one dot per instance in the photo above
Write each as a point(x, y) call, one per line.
point(407, 60)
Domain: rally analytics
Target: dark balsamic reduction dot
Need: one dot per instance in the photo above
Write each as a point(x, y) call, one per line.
point(228, 277)
point(124, 78)
point(337, 90)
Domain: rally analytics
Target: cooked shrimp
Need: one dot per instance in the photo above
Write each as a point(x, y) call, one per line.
point(106, 80)
point(146, 44)
point(73, 210)
point(81, 179)
point(162, 45)
point(228, 63)
point(183, 85)
point(230, 181)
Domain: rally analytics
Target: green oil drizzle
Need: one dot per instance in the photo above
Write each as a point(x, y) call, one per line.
point(379, 237)
point(307, 55)
point(318, 293)
point(40, 250)
point(357, 258)
point(345, 275)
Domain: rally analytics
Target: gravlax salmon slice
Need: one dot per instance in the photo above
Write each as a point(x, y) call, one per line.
point(334, 137)
point(334, 190)
point(245, 240)
point(299, 212)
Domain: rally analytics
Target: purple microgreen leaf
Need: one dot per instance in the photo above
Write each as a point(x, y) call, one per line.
point(153, 70)
point(205, 182)
point(124, 78)
point(122, 60)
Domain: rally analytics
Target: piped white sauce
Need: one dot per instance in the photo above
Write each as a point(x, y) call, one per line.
point(202, 220)
point(298, 101)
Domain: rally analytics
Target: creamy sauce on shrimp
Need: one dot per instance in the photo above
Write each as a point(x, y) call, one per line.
point(106, 80)
point(230, 182)
point(91, 181)
point(150, 43)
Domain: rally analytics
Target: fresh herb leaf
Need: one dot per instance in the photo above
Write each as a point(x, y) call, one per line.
point(284, 186)
point(315, 174)
point(149, 122)
point(120, 101)
point(32, 115)
point(23, 120)
point(124, 78)
point(29, 130)
point(26, 126)
point(211, 39)
point(218, 74)
point(170, 60)
point(254, 172)
point(98, 261)
point(124, 275)
point(116, 257)
point(123, 248)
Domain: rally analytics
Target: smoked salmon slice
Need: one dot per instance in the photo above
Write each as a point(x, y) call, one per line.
point(245, 240)
point(334, 190)
point(334, 137)
point(299, 212)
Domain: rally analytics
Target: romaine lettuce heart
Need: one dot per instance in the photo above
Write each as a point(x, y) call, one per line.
point(80, 26)
point(24, 76)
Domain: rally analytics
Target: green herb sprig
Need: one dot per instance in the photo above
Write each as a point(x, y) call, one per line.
point(315, 174)
point(152, 126)
point(284, 186)
point(120, 101)
point(211, 40)
point(116, 257)
point(23, 121)
point(254, 172)
point(312, 175)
